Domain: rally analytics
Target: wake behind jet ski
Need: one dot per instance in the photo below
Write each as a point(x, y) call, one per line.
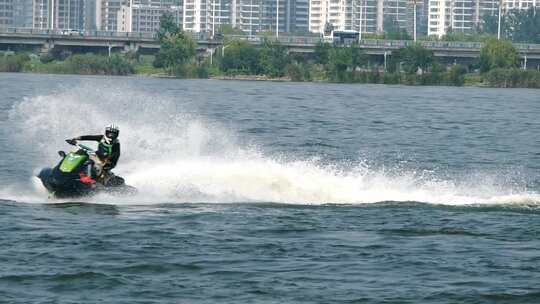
point(87, 172)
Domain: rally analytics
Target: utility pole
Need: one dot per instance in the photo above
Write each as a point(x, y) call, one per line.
point(213, 17)
point(414, 21)
point(499, 23)
point(277, 18)
point(360, 27)
point(250, 19)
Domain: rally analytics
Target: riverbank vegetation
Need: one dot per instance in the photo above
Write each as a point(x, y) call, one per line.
point(498, 64)
point(85, 64)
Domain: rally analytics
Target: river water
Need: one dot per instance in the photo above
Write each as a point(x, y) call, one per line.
point(270, 192)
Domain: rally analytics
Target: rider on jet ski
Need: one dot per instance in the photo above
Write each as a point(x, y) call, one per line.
point(107, 154)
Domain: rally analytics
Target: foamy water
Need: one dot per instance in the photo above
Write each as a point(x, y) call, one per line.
point(173, 154)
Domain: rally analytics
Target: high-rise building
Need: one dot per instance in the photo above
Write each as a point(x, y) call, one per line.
point(520, 4)
point(69, 14)
point(107, 14)
point(466, 15)
point(254, 16)
point(58, 14)
point(23, 13)
point(90, 14)
point(6, 13)
point(195, 15)
point(42, 16)
point(366, 16)
point(396, 14)
point(298, 17)
point(144, 15)
point(219, 13)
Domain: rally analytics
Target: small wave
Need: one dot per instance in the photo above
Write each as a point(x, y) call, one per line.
point(58, 277)
point(156, 268)
point(427, 232)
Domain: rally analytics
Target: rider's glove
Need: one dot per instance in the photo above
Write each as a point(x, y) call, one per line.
point(71, 141)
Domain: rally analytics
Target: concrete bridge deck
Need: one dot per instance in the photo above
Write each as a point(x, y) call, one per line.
point(146, 42)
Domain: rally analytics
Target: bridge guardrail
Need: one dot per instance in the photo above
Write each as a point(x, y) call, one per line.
point(306, 41)
point(89, 34)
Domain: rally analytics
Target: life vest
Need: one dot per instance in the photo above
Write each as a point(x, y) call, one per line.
point(105, 148)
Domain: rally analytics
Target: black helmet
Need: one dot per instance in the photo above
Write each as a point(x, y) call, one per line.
point(112, 132)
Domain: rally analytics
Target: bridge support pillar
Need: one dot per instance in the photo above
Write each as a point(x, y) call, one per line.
point(47, 47)
point(131, 47)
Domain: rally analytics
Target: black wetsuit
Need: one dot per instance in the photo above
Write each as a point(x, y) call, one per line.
point(108, 153)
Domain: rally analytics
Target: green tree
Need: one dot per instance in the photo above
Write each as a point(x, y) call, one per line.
point(167, 26)
point(294, 71)
point(490, 23)
point(240, 57)
point(273, 59)
point(456, 75)
point(226, 29)
point(340, 59)
point(322, 52)
point(359, 58)
point(13, 63)
point(176, 51)
point(497, 54)
point(524, 25)
point(416, 56)
point(516, 25)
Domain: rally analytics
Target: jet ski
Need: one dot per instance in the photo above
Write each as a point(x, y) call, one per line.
point(75, 176)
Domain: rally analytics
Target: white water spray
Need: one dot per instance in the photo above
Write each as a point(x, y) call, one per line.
point(173, 155)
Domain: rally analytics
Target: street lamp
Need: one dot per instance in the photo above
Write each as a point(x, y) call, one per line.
point(414, 20)
point(277, 18)
point(499, 23)
point(360, 26)
point(213, 17)
point(250, 19)
point(223, 50)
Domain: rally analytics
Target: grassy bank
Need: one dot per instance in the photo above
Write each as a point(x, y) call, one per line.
point(244, 68)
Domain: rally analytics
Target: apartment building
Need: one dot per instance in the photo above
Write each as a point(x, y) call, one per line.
point(334, 12)
point(52, 14)
point(107, 12)
point(42, 17)
point(397, 14)
point(366, 16)
point(466, 15)
point(6, 13)
point(253, 16)
point(297, 16)
point(69, 14)
point(520, 4)
point(144, 15)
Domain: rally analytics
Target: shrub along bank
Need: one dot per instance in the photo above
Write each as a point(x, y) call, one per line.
point(86, 64)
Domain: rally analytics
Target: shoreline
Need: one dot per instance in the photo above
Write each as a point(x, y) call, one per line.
point(271, 79)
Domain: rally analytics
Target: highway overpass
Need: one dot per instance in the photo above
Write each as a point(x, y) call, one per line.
point(91, 41)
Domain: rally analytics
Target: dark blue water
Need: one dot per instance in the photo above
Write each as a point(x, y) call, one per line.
point(261, 192)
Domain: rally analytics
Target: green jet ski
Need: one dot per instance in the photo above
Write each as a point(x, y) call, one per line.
point(75, 176)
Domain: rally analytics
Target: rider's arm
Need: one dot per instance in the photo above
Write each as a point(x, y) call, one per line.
point(89, 137)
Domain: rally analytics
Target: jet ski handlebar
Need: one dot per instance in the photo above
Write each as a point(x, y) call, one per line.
point(80, 146)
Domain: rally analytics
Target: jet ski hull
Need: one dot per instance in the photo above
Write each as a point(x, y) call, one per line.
point(62, 185)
